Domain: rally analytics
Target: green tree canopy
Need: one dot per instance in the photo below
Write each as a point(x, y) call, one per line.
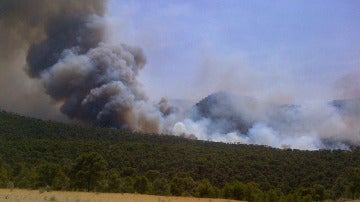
point(88, 171)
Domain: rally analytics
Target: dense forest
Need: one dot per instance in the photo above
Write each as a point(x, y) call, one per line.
point(46, 155)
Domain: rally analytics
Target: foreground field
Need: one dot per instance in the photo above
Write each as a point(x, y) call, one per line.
point(36, 195)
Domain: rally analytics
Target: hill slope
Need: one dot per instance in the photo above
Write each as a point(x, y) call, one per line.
point(36, 153)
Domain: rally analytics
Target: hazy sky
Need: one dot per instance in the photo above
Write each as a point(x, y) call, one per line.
point(275, 51)
point(287, 50)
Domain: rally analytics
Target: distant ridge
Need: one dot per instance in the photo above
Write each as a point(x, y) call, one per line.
point(220, 106)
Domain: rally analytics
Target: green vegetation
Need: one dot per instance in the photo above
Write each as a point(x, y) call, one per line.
point(47, 155)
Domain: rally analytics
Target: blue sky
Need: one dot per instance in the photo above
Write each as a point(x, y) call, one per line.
point(289, 51)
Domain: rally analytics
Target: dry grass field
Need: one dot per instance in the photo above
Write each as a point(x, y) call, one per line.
point(20, 195)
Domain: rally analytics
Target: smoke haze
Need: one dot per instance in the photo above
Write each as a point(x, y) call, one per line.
point(62, 46)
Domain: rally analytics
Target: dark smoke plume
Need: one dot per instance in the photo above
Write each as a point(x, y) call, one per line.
point(25, 22)
point(94, 82)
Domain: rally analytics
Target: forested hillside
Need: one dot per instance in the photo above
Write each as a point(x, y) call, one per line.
point(40, 154)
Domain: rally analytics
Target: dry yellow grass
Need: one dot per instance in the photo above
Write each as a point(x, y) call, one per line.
point(35, 195)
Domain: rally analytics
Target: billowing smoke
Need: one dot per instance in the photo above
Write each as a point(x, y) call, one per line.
point(94, 82)
point(228, 118)
point(63, 48)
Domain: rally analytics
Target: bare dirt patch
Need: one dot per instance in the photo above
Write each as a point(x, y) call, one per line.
point(36, 195)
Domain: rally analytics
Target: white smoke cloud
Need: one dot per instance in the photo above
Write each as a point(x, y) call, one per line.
point(312, 126)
